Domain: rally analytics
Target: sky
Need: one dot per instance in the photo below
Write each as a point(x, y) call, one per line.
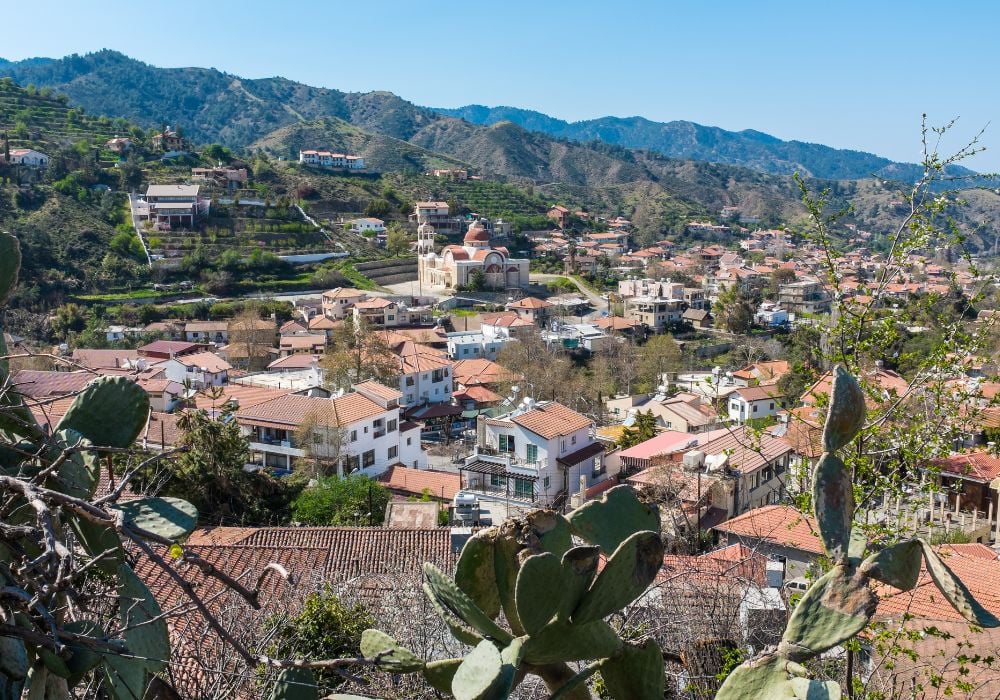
point(847, 74)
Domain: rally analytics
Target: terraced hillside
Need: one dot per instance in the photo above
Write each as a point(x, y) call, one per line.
point(40, 119)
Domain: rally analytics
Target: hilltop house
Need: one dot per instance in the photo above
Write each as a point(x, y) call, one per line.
point(754, 402)
point(326, 159)
point(337, 303)
point(230, 178)
point(540, 453)
point(171, 205)
point(359, 431)
point(28, 157)
point(169, 140)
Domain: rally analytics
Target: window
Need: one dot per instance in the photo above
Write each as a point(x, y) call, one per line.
point(409, 381)
point(669, 424)
point(498, 480)
point(409, 441)
point(532, 453)
point(523, 488)
point(506, 443)
point(391, 318)
point(573, 440)
point(351, 464)
point(772, 405)
point(562, 445)
point(598, 467)
point(545, 483)
point(755, 407)
point(368, 458)
point(393, 451)
point(393, 424)
point(354, 436)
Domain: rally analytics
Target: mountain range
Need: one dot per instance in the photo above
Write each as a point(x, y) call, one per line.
point(212, 106)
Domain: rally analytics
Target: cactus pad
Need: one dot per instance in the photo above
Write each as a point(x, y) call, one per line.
point(834, 608)
point(109, 411)
point(82, 658)
point(637, 672)
point(579, 567)
point(846, 415)
point(166, 516)
point(439, 674)
point(833, 499)
point(295, 684)
point(897, 565)
point(480, 675)
point(627, 574)
point(613, 518)
point(475, 572)
point(547, 531)
point(774, 678)
point(449, 596)
point(145, 632)
point(79, 474)
point(563, 641)
point(388, 654)
point(538, 592)
point(955, 591)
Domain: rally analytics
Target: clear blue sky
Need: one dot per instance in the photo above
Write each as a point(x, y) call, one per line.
point(849, 74)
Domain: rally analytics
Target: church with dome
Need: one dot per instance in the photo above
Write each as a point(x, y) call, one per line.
point(454, 265)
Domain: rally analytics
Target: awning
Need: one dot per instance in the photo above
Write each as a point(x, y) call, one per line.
point(494, 468)
point(588, 452)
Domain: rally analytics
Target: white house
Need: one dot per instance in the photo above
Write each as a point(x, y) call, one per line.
point(337, 303)
point(197, 370)
point(425, 374)
point(361, 431)
point(534, 454)
point(117, 333)
point(29, 157)
point(372, 225)
point(326, 159)
point(468, 345)
point(753, 402)
point(770, 314)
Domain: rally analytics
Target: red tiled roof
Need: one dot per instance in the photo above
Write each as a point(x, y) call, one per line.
point(39, 384)
point(551, 420)
point(482, 371)
point(778, 524)
point(442, 485)
point(667, 442)
point(975, 466)
point(293, 409)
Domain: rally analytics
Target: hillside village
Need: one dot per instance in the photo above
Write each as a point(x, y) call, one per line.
point(476, 349)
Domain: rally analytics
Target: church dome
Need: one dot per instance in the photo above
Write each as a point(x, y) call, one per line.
point(477, 234)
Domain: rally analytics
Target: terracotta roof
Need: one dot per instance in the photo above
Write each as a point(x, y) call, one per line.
point(759, 393)
point(302, 342)
point(457, 252)
point(289, 327)
point(887, 380)
point(323, 323)
point(976, 565)
point(293, 409)
point(746, 451)
point(206, 361)
point(381, 390)
point(443, 485)
point(201, 326)
point(778, 525)
point(504, 319)
point(479, 394)
point(98, 359)
point(343, 293)
point(43, 384)
point(376, 303)
point(482, 371)
point(616, 323)
point(169, 347)
point(242, 396)
point(729, 563)
point(300, 360)
point(552, 419)
point(975, 466)
point(161, 430)
point(530, 303)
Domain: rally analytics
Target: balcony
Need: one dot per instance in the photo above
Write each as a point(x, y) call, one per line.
point(281, 447)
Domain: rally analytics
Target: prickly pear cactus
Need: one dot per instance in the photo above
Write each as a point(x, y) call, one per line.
point(839, 605)
point(528, 601)
point(60, 538)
